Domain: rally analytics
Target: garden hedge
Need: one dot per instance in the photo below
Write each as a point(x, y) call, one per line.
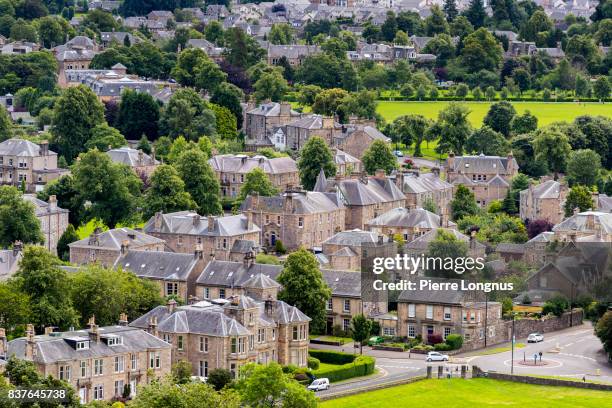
point(353, 366)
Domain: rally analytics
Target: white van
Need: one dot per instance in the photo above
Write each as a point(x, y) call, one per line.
point(319, 384)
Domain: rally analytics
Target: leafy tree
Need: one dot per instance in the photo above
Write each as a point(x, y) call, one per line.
point(490, 93)
point(461, 27)
point(583, 167)
point(329, 101)
point(77, 112)
point(411, 129)
point(6, 125)
point(582, 87)
point(453, 128)
point(401, 38)
point(603, 330)
point(101, 20)
point(307, 94)
point(229, 96)
point(208, 75)
point(494, 228)
point(536, 227)
point(361, 104)
point(551, 147)
point(200, 181)
point(488, 142)
point(187, 63)
point(450, 10)
point(219, 378)
point(225, 122)
point(18, 220)
point(104, 137)
point(242, 50)
point(602, 88)
point(481, 51)
point(436, 22)
point(166, 193)
point(257, 181)
point(361, 327)
point(476, 13)
point(579, 197)
point(511, 203)
point(165, 394)
point(327, 72)
point(51, 31)
point(464, 203)
point(522, 79)
point(69, 236)
point(314, 156)
point(537, 23)
point(556, 305)
point(67, 197)
point(187, 114)
point(14, 308)
point(379, 157)
point(303, 286)
point(445, 246)
point(462, 90)
point(596, 131)
point(181, 372)
point(41, 279)
point(477, 93)
point(138, 115)
point(389, 27)
point(270, 86)
point(280, 34)
point(499, 116)
point(525, 123)
point(144, 145)
point(112, 189)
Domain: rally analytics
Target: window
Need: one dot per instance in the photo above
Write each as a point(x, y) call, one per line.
point(491, 331)
point(154, 359)
point(171, 288)
point(83, 367)
point(167, 338)
point(179, 345)
point(179, 240)
point(82, 345)
point(98, 392)
point(388, 331)
point(204, 344)
point(429, 312)
point(472, 316)
point(278, 220)
point(464, 316)
point(119, 364)
point(134, 361)
point(295, 332)
point(300, 222)
point(330, 304)
point(411, 331)
point(98, 367)
point(447, 313)
point(251, 342)
point(222, 293)
point(234, 341)
point(119, 384)
point(224, 243)
point(346, 324)
point(411, 310)
point(447, 331)
point(203, 369)
point(206, 293)
point(241, 345)
point(64, 373)
point(543, 281)
point(467, 336)
point(261, 335)
point(347, 305)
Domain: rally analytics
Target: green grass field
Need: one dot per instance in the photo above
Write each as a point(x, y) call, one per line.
point(545, 112)
point(479, 392)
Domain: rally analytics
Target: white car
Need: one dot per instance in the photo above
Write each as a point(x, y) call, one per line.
point(319, 384)
point(535, 338)
point(398, 153)
point(435, 356)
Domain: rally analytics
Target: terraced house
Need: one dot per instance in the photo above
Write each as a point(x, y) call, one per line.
point(421, 188)
point(544, 201)
point(409, 224)
point(228, 333)
point(346, 249)
point(101, 363)
point(231, 170)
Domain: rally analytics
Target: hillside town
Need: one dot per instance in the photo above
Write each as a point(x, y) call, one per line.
point(193, 193)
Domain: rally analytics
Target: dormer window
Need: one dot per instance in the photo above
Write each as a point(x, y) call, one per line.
point(82, 345)
point(114, 341)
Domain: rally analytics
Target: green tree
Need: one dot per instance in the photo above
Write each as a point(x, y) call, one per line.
point(601, 88)
point(579, 197)
point(280, 34)
point(494, 228)
point(229, 96)
point(77, 112)
point(67, 197)
point(270, 86)
point(166, 193)
point(583, 167)
point(488, 142)
point(329, 102)
point(401, 38)
point(257, 181)
point(104, 137)
point(181, 372)
point(14, 308)
point(481, 51)
point(225, 120)
point(303, 286)
point(436, 22)
point(537, 23)
point(476, 13)
point(242, 50)
point(314, 156)
point(411, 129)
point(361, 327)
point(603, 330)
point(551, 147)
point(464, 203)
point(556, 305)
point(450, 10)
point(445, 246)
point(453, 128)
point(208, 75)
point(200, 181)
point(112, 189)
point(525, 123)
point(41, 279)
point(6, 125)
point(379, 157)
point(499, 116)
point(462, 90)
point(186, 66)
point(218, 378)
point(490, 93)
point(144, 145)
point(188, 115)
point(69, 236)
point(18, 220)
point(138, 115)
point(166, 394)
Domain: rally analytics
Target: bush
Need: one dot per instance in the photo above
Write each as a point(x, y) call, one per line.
point(556, 305)
point(360, 366)
point(442, 347)
point(434, 338)
point(313, 363)
point(219, 378)
point(424, 347)
point(338, 331)
point(455, 341)
point(332, 357)
point(375, 328)
point(289, 368)
point(279, 247)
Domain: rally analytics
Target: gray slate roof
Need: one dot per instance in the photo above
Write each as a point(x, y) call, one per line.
point(113, 239)
point(424, 183)
point(422, 242)
point(452, 297)
point(131, 157)
point(343, 283)
point(372, 190)
point(547, 189)
point(580, 222)
point(354, 237)
point(482, 164)
point(404, 218)
point(42, 207)
point(235, 274)
point(304, 202)
point(20, 147)
point(240, 163)
point(191, 223)
point(158, 264)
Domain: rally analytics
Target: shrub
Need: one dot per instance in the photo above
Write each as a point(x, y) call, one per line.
point(289, 368)
point(219, 378)
point(375, 328)
point(434, 338)
point(556, 305)
point(442, 347)
point(424, 347)
point(332, 357)
point(313, 363)
point(338, 332)
point(455, 341)
point(279, 247)
point(360, 366)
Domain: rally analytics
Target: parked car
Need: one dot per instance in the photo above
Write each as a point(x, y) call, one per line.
point(435, 356)
point(319, 384)
point(375, 340)
point(535, 338)
point(398, 153)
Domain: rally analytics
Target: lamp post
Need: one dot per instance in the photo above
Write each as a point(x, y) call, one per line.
point(486, 316)
point(512, 361)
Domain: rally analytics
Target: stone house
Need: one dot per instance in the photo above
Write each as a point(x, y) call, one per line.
point(75, 54)
point(299, 131)
point(347, 249)
point(231, 170)
point(365, 197)
point(296, 218)
point(186, 231)
point(174, 273)
point(408, 223)
point(587, 226)
point(9, 261)
point(421, 188)
point(261, 123)
point(24, 161)
point(429, 312)
point(346, 164)
point(105, 247)
point(53, 220)
point(294, 53)
point(420, 245)
point(357, 137)
point(544, 201)
point(488, 177)
point(536, 248)
point(141, 163)
point(228, 333)
point(100, 363)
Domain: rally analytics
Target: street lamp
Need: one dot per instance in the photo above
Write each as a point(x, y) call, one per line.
point(486, 316)
point(512, 363)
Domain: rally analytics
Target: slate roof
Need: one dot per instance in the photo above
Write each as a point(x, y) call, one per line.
point(269, 109)
point(547, 189)
point(343, 283)
point(341, 157)
point(158, 264)
point(50, 349)
point(580, 222)
point(545, 236)
point(303, 202)
point(240, 163)
point(42, 207)
point(482, 164)
point(20, 147)
point(235, 274)
point(308, 122)
point(191, 223)
point(422, 242)
point(604, 203)
point(354, 237)
point(452, 297)
point(261, 281)
point(113, 239)
point(404, 218)
point(372, 190)
point(131, 157)
point(510, 248)
point(424, 183)
point(243, 246)
point(292, 51)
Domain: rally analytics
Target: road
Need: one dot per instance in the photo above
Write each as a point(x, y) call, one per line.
point(580, 355)
point(419, 161)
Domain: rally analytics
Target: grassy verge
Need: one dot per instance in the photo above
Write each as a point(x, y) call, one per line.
point(558, 377)
point(480, 392)
point(497, 350)
point(341, 340)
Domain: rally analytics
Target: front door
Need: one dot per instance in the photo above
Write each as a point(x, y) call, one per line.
point(133, 385)
point(330, 325)
point(83, 395)
point(273, 238)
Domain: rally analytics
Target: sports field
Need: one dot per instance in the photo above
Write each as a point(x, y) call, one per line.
point(481, 392)
point(546, 112)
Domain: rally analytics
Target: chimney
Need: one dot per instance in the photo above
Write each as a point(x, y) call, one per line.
point(30, 342)
point(444, 219)
point(288, 204)
point(248, 260)
point(94, 237)
point(17, 248)
point(380, 173)
point(49, 330)
point(235, 300)
point(153, 326)
point(171, 305)
point(157, 222)
point(140, 157)
point(211, 223)
point(3, 344)
point(285, 109)
point(436, 171)
point(196, 220)
point(270, 306)
point(381, 239)
point(249, 221)
point(328, 122)
point(94, 334)
point(254, 200)
point(153, 153)
point(44, 148)
point(590, 222)
point(576, 210)
point(123, 319)
point(450, 162)
point(52, 203)
point(125, 245)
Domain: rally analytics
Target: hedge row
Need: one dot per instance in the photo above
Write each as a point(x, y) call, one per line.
point(332, 357)
point(360, 366)
point(470, 99)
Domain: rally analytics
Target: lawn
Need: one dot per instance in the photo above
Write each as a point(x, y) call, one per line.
point(479, 392)
point(340, 340)
point(86, 230)
point(498, 350)
point(546, 112)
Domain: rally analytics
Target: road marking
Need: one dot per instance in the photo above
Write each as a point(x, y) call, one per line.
point(578, 356)
point(508, 363)
point(396, 366)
